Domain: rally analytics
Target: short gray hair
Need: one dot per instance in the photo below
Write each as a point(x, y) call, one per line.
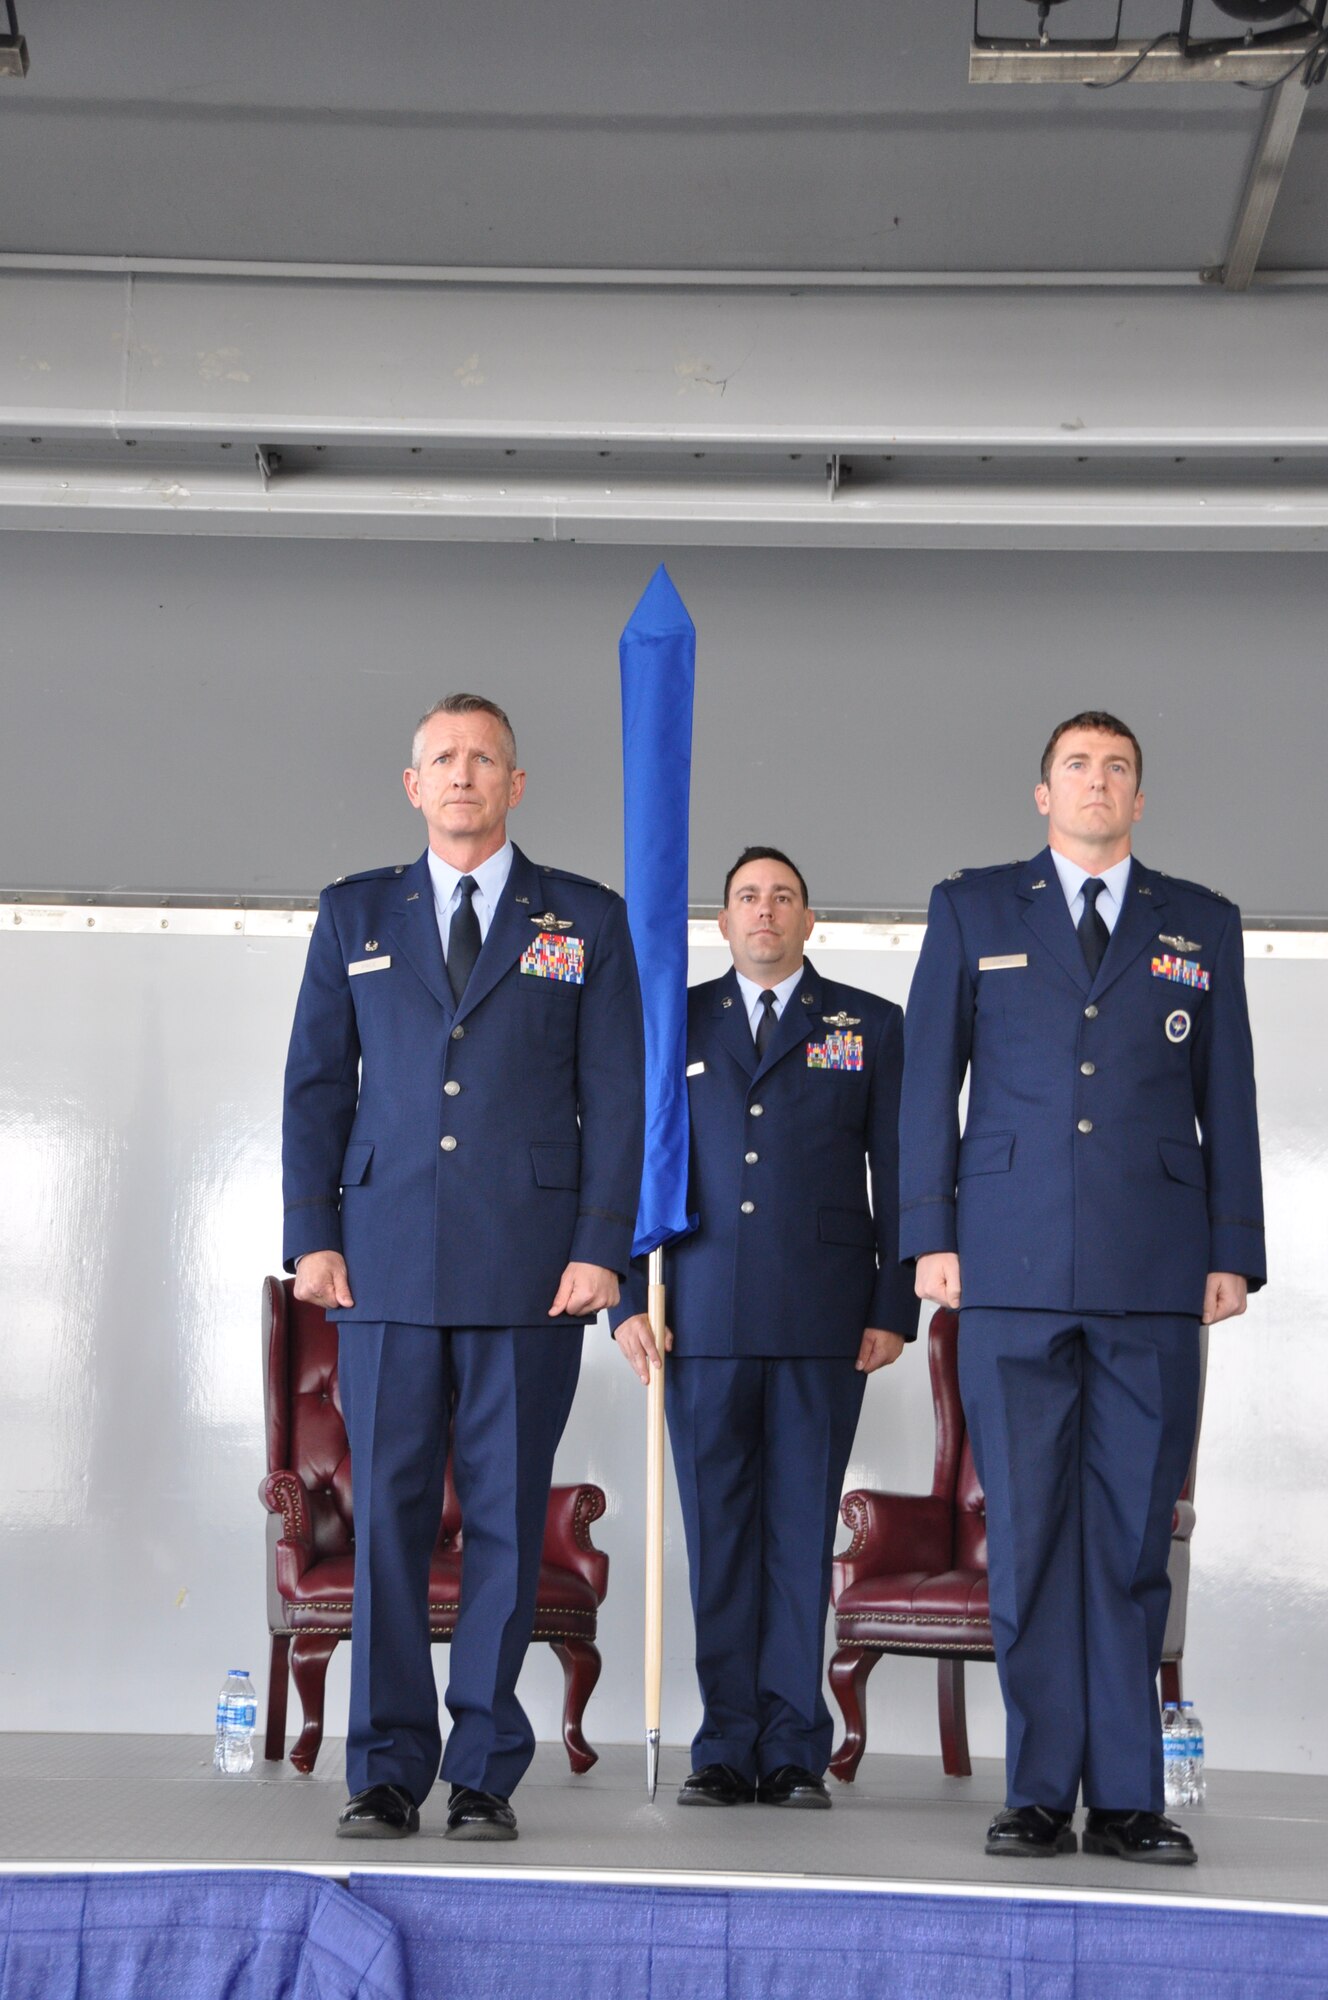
point(463, 704)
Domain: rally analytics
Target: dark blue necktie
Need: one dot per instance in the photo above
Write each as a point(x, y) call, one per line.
point(765, 1027)
point(463, 939)
point(1094, 937)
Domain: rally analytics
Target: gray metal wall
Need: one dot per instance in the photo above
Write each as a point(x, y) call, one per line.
point(140, 1207)
point(231, 715)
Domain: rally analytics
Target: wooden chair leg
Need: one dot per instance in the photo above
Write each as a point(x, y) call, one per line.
point(581, 1669)
point(1171, 1681)
point(954, 1718)
point(278, 1685)
point(848, 1682)
point(309, 1656)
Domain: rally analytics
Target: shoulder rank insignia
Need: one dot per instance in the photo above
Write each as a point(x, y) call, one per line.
point(548, 922)
point(837, 1051)
point(1179, 943)
point(842, 1020)
point(552, 957)
point(957, 876)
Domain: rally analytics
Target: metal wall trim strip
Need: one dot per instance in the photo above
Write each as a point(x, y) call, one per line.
point(904, 934)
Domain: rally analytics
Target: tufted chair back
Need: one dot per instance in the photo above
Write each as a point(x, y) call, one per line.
point(306, 1430)
point(311, 1541)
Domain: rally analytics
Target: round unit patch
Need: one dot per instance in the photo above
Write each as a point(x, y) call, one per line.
point(1178, 1025)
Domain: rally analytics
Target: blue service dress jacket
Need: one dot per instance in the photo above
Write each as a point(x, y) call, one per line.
point(461, 1157)
point(1110, 1157)
point(788, 1258)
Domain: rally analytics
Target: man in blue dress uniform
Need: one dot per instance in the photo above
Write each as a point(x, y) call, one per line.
point(787, 1296)
point(1103, 1202)
point(462, 1154)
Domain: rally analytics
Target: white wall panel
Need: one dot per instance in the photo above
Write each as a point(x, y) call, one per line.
point(140, 1207)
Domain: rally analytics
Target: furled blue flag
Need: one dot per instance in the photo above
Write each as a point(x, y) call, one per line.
point(657, 658)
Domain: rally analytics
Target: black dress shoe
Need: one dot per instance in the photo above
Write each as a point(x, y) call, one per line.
point(793, 1785)
point(717, 1785)
point(383, 1812)
point(1031, 1833)
point(1138, 1836)
point(478, 1816)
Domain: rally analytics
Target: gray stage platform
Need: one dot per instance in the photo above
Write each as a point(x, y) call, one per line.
point(74, 1802)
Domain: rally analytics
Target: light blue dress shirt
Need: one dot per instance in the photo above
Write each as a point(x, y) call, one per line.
point(490, 879)
point(751, 996)
point(1113, 880)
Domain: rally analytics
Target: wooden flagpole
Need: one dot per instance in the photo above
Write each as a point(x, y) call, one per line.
point(654, 1647)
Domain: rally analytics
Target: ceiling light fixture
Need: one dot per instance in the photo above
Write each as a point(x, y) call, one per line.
point(13, 48)
point(1270, 27)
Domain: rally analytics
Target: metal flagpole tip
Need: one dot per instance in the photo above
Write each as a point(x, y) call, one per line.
point(652, 1762)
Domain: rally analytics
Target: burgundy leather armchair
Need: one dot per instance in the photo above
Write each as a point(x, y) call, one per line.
point(311, 1546)
point(914, 1577)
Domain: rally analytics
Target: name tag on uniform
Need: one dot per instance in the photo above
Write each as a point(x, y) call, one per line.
point(1010, 961)
point(837, 1051)
point(553, 957)
point(368, 965)
point(696, 1069)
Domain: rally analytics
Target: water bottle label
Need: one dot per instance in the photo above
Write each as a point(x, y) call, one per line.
point(233, 1714)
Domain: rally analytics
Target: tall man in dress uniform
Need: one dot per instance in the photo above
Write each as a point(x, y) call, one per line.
point(787, 1296)
point(1103, 1202)
point(462, 1152)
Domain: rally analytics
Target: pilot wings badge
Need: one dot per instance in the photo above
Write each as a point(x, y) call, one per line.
point(842, 1020)
point(548, 922)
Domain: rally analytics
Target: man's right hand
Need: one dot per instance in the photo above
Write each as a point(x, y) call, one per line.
point(321, 1280)
point(638, 1344)
point(938, 1279)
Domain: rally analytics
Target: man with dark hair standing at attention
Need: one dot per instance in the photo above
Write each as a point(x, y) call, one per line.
point(785, 1298)
point(1103, 1203)
point(462, 1153)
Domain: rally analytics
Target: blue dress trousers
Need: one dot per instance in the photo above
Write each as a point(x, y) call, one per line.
point(1109, 1161)
point(460, 1156)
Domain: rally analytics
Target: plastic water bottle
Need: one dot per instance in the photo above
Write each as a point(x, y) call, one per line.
point(1196, 1786)
point(1175, 1755)
point(237, 1712)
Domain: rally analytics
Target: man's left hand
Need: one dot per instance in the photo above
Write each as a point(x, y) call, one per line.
point(585, 1289)
point(1225, 1295)
point(878, 1349)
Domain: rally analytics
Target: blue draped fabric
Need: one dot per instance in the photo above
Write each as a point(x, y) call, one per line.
point(605, 1941)
point(258, 1934)
point(266, 1935)
point(657, 661)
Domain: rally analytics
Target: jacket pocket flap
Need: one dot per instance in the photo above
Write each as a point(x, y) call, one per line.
point(355, 1166)
point(556, 1166)
point(846, 1225)
point(985, 1153)
point(1184, 1161)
